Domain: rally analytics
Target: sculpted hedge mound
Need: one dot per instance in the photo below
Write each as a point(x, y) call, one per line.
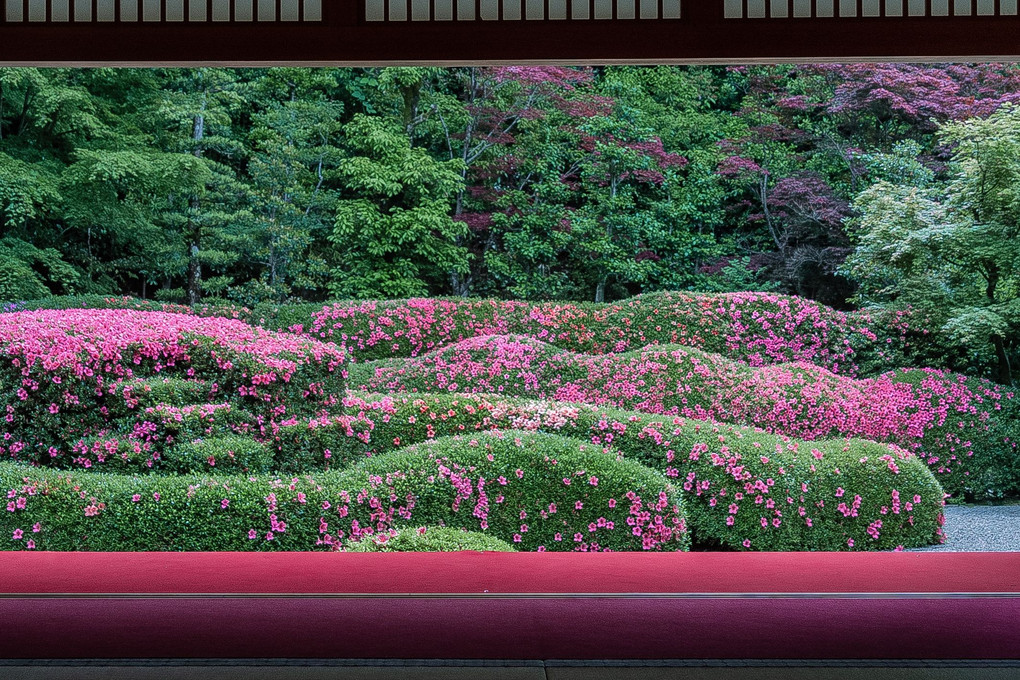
point(535, 491)
point(965, 429)
point(742, 488)
point(758, 328)
point(83, 386)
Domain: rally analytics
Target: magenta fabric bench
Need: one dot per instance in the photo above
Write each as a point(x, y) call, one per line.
point(510, 606)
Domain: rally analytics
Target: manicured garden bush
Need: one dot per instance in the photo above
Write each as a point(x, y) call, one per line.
point(321, 443)
point(428, 539)
point(538, 491)
point(758, 328)
point(229, 454)
point(956, 424)
point(889, 497)
point(82, 510)
point(69, 375)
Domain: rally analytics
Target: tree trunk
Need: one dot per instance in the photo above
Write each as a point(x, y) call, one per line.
point(1004, 371)
point(194, 264)
point(600, 290)
point(194, 276)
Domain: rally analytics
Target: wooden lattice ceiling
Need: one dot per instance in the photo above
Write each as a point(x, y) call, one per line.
point(449, 31)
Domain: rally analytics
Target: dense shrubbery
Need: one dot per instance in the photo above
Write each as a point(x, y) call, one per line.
point(161, 406)
point(758, 328)
point(830, 495)
point(501, 483)
point(91, 379)
point(958, 425)
point(539, 491)
point(59, 510)
point(428, 539)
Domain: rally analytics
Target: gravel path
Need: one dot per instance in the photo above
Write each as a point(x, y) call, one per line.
point(980, 528)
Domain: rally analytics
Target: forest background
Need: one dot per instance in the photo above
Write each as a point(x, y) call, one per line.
point(891, 186)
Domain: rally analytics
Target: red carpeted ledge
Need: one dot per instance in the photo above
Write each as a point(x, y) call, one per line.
point(511, 606)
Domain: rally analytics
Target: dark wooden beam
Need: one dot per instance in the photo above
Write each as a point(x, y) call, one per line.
point(343, 37)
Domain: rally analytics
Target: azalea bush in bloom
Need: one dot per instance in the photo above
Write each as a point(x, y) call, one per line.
point(536, 491)
point(731, 421)
point(758, 328)
point(779, 493)
point(85, 379)
point(958, 425)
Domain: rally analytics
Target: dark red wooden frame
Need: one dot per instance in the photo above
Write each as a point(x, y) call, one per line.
point(343, 37)
point(703, 35)
point(511, 606)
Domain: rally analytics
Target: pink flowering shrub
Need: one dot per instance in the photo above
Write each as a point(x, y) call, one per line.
point(428, 539)
point(743, 488)
point(224, 309)
point(758, 328)
point(81, 510)
point(67, 376)
point(536, 491)
point(956, 424)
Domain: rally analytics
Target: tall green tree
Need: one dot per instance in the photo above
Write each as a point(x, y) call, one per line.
point(291, 171)
point(394, 235)
point(953, 249)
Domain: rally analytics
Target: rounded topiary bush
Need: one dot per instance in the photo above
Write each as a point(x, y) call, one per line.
point(83, 510)
point(960, 426)
point(71, 375)
point(536, 491)
point(716, 466)
point(429, 539)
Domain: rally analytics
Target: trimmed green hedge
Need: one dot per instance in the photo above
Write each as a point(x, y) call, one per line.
point(712, 463)
point(89, 511)
point(429, 539)
point(538, 491)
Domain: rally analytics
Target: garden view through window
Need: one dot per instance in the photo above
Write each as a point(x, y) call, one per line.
point(513, 308)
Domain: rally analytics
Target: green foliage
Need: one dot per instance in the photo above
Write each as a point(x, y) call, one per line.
point(18, 281)
point(429, 539)
point(27, 272)
point(393, 234)
point(536, 491)
point(949, 251)
point(114, 513)
point(223, 454)
point(715, 466)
